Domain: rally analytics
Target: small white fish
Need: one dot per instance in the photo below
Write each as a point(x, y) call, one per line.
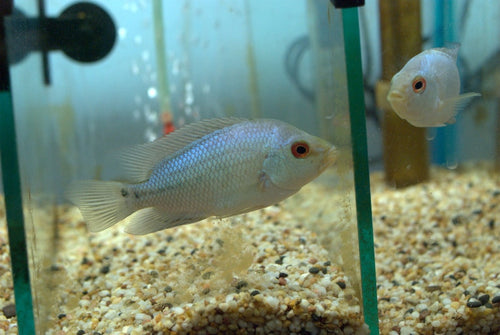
point(219, 167)
point(426, 90)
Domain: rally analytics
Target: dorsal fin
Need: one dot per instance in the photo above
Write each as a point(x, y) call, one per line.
point(140, 160)
point(451, 51)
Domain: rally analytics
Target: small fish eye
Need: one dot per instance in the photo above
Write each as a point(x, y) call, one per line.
point(419, 84)
point(300, 149)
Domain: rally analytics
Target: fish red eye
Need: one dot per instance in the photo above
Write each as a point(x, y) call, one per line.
point(300, 149)
point(419, 84)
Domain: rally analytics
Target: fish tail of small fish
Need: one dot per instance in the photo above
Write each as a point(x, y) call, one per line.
point(100, 202)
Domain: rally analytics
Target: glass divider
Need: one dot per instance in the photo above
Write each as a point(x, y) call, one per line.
point(15, 218)
point(361, 171)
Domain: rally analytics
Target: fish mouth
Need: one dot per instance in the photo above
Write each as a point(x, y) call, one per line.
point(395, 96)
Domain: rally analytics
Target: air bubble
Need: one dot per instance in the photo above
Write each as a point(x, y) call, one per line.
point(152, 92)
point(150, 135)
point(135, 69)
point(176, 66)
point(122, 33)
point(189, 99)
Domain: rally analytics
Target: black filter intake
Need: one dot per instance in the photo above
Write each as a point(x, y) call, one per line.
point(83, 31)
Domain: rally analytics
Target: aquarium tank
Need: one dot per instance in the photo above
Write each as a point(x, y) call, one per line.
point(398, 236)
point(87, 80)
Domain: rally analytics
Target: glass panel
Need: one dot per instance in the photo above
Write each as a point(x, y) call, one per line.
point(436, 233)
point(292, 266)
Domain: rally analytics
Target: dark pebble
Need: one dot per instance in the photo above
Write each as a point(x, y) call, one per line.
point(61, 316)
point(85, 261)
point(477, 212)
point(207, 275)
point(423, 314)
point(341, 284)
point(327, 263)
point(96, 333)
point(80, 332)
point(473, 303)
point(104, 269)
point(302, 240)
point(491, 224)
point(206, 291)
point(241, 284)
point(170, 238)
point(484, 299)
point(219, 242)
point(323, 270)
point(283, 275)
point(194, 251)
point(496, 193)
point(9, 311)
point(254, 293)
point(162, 251)
point(313, 270)
point(168, 289)
point(280, 260)
point(459, 219)
point(409, 311)
point(55, 267)
point(432, 288)
point(496, 300)
point(154, 273)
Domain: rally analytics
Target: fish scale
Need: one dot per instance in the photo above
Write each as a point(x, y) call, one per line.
point(220, 167)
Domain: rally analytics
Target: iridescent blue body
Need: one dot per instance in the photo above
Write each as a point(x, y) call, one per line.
point(218, 167)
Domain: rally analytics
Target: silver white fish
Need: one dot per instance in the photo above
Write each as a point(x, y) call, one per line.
point(426, 92)
point(219, 167)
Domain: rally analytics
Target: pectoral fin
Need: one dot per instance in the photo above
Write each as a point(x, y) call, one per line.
point(150, 220)
point(457, 104)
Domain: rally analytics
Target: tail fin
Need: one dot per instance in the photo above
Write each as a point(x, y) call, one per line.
point(100, 202)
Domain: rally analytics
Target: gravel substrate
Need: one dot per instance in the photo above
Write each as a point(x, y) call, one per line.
point(437, 252)
point(8, 320)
